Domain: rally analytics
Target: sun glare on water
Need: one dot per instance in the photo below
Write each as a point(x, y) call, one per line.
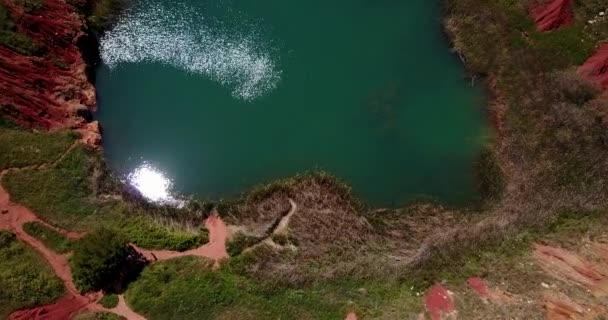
point(153, 184)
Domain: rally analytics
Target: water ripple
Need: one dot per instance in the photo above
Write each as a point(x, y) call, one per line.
point(178, 36)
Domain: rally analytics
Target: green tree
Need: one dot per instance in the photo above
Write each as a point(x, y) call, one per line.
point(98, 259)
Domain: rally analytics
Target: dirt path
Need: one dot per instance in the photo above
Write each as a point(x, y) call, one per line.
point(282, 226)
point(122, 309)
point(215, 249)
point(12, 217)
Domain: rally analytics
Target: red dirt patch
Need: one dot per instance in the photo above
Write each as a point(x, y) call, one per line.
point(439, 302)
point(568, 266)
point(595, 69)
point(351, 316)
point(480, 287)
point(59, 310)
point(552, 14)
point(560, 307)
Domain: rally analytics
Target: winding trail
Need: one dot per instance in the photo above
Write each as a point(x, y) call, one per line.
point(284, 222)
point(279, 227)
point(12, 217)
point(215, 249)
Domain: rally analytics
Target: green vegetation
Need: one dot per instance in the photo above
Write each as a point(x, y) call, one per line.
point(240, 242)
point(30, 6)
point(97, 258)
point(58, 194)
point(20, 148)
point(103, 10)
point(109, 301)
point(51, 238)
point(187, 288)
point(25, 278)
point(9, 36)
point(98, 316)
point(65, 195)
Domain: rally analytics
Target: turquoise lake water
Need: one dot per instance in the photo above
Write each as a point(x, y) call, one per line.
point(217, 96)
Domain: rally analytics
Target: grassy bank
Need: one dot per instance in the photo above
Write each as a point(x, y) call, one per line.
point(544, 180)
point(73, 194)
point(20, 148)
point(25, 278)
point(51, 238)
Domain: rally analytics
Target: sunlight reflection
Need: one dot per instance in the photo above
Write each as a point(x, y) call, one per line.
point(153, 184)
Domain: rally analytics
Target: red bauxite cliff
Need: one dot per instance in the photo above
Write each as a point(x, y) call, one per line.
point(595, 69)
point(552, 14)
point(50, 90)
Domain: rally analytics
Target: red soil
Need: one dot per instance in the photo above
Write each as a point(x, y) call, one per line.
point(439, 302)
point(595, 69)
point(552, 14)
point(47, 91)
point(568, 266)
point(480, 287)
point(560, 307)
point(215, 249)
point(60, 310)
point(351, 316)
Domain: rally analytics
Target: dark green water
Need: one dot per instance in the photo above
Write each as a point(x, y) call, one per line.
point(223, 95)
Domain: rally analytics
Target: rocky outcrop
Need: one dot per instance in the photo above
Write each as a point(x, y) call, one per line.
point(49, 89)
point(595, 69)
point(552, 14)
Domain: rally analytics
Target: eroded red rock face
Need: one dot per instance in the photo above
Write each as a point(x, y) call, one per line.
point(552, 14)
point(50, 90)
point(595, 69)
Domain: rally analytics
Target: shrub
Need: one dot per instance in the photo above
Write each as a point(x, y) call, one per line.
point(98, 258)
point(51, 238)
point(109, 301)
point(239, 243)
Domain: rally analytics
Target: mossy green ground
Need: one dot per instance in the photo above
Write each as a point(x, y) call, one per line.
point(20, 148)
point(25, 279)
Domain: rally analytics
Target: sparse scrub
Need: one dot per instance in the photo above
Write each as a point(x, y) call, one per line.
point(489, 177)
point(51, 238)
point(102, 13)
point(239, 243)
point(25, 278)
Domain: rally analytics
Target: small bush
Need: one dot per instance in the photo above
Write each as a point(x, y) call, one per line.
point(239, 243)
point(51, 238)
point(98, 316)
point(97, 259)
point(109, 301)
